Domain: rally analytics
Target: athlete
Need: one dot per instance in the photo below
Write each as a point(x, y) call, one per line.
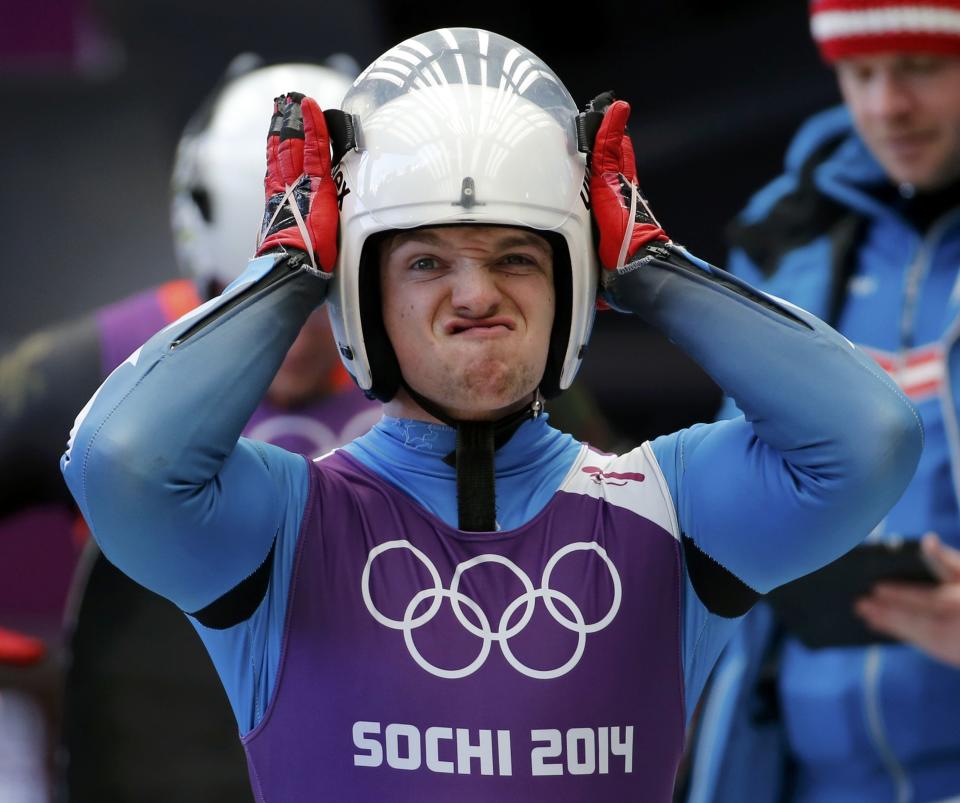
point(466, 602)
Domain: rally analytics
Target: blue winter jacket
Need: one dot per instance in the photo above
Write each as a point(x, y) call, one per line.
point(880, 723)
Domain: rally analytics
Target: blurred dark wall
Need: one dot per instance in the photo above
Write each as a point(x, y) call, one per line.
point(88, 136)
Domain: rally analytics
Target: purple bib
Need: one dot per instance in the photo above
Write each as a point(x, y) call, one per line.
point(422, 663)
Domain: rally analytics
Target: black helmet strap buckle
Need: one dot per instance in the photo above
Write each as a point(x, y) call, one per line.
point(588, 121)
point(343, 129)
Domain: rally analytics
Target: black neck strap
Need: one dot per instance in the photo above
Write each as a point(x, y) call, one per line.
point(476, 486)
point(477, 441)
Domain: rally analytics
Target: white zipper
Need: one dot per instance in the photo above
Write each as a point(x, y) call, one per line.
point(946, 393)
point(871, 683)
point(915, 274)
point(919, 267)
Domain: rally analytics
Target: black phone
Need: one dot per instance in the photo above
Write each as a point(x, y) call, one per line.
point(818, 607)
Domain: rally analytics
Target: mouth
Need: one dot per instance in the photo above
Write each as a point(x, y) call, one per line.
point(480, 328)
point(908, 144)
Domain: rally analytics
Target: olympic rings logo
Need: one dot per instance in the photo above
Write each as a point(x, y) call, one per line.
point(572, 620)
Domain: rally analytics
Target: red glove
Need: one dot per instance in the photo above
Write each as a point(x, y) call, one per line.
point(298, 183)
point(624, 221)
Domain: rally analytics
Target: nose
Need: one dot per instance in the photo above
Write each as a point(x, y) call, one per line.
point(888, 97)
point(475, 292)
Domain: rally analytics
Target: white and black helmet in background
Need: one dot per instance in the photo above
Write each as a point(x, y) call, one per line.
point(217, 182)
point(459, 126)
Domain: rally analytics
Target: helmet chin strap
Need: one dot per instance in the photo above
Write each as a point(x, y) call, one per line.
point(477, 441)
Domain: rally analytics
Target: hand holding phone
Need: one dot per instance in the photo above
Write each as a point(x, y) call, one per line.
point(927, 616)
point(821, 608)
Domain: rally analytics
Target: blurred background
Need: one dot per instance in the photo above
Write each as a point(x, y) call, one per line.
point(95, 93)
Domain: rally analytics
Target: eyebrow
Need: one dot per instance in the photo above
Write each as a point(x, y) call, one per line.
point(512, 240)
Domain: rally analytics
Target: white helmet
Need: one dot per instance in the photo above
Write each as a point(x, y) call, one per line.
point(217, 182)
point(458, 126)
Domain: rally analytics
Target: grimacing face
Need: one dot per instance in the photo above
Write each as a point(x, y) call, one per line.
point(906, 108)
point(469, 311)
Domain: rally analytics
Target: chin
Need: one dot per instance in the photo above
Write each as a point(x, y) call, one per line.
point(494, 379)
point(494, 405)
point(921, 176)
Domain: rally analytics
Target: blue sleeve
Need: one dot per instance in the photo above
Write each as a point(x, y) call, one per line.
point(174, 497)
point(247, 655)
point(827, 445)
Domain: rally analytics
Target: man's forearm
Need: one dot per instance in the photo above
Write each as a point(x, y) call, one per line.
point(829, 444)
point(797, 380)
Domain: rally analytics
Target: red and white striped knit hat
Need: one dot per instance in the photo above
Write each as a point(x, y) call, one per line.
point(845, 28)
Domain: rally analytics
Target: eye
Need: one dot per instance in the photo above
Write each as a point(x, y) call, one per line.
point(855, 73)
point(424, 263)
point(921, 65)
point(518, 259)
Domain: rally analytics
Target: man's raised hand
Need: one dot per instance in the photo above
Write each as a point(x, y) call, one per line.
point(301, 201)
point(624, 221)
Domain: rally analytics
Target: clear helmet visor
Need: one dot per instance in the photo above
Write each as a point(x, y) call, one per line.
point(462, 124)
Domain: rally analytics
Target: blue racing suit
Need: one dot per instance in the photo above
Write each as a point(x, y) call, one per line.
point(877, 723)
point(211, 520)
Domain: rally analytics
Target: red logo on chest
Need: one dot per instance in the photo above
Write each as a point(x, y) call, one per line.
point(612, 477)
